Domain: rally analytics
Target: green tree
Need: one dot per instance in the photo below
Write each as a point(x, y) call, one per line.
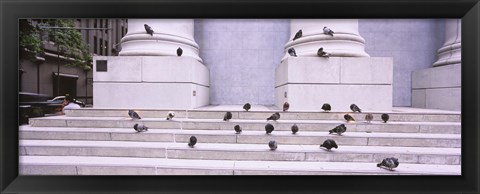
point(68, 40)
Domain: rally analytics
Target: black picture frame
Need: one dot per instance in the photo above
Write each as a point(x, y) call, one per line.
point(11, 11)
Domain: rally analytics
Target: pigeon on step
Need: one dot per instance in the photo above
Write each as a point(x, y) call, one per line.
point(369, 117)
point(326, 107)
point(298, 35)
point(273, 145)
point(140, 127)
point(329, 144)
point(247, 106)
point(148, 29)
point(275, 116)
point(286, 106)
point(328, 31)
point(237, 129)
point(322, 53)
point(294, 128)
point(192, 141)
point(269, 128)
point(338, 129)
point(227, 116)
point(179, 51)
point(170, 115)
point(133, 114)
point(385, 117)
point(355, 108)
point(291, 52)
point(348, 118)
point(389, 163)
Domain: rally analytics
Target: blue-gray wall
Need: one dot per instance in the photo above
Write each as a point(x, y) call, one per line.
point(242, 54)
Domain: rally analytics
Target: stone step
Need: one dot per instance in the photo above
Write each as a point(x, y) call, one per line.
point(262, 115)
point(219, 124)
point(84, 165)
point(255, 152)
point(246, 137)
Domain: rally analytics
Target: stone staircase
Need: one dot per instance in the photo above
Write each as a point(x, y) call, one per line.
point(102, 142)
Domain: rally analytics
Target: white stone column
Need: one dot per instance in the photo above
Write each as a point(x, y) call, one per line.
point(451, 51)
point(348, 76)
point(346, 41)
point(148, 74)
point(169, 34)
point(439, 87)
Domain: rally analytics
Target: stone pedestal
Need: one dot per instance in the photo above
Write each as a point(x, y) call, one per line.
point(308, 82)
point(148, 73)
point(160, 82)
point(439, 87)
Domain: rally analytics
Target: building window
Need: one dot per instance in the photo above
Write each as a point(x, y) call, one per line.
point(95, 48)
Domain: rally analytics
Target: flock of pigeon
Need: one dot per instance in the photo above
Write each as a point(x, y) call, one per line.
point(320, 52)
point(328, 144)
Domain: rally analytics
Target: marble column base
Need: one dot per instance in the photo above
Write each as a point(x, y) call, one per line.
point(160, 82)
point(437, 88)
point(308, 82)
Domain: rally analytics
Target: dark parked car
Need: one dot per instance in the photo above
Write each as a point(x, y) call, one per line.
point(36, 105)
point(62, 98)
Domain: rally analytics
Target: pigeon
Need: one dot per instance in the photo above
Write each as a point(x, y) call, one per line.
point(286, 106)
point(348, 118)
point(148, 29)
point(247, 106)
point(329, 144)
point(294, 128)
point(192, 141)
point(133, 114)
point(269, 128)
point(275, 116)
point(291, 52)
point(179, 51)
point(369, 117)
point(355, 108)
point(338, 129)
point(326, 107)
point(322, 53)
point(140, 127)
point(238, 129)
point(327, 30)
point(273, 145)
point(298, 35)
point(389, 163)
point(227, 116)
point(170, 115)
point(385, 117)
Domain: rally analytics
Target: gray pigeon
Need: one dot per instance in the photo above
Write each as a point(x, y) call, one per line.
point(291, 52)
point(269, 128)
point(148, 29)
point(170, 115)
point(294, 128)
point(298, 35)
point(140, 127)
point(348, 118)
point(192, 141)
point(286, 106)
point(385, 117)
point(247, 106)
point(275, 116)
point(389, 163)
point(322, 53)
point(133, 114)
point(237, 129)
point(273, 145)
point(227, 116)
point(179, 51)
point(329, 144)
point(326, 107)
point(369, 117)
point(338, 129)
point(355, 108)
point(327, 30)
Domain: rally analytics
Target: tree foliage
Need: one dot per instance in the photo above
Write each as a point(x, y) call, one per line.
point(68, 40)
